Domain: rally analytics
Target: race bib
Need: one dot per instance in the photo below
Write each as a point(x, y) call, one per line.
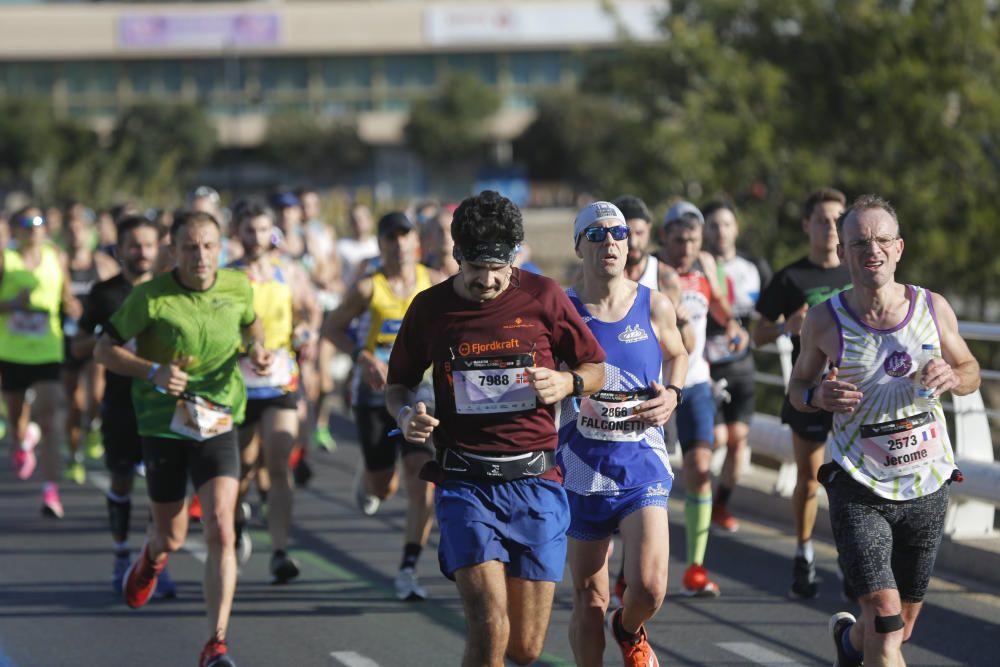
point(902, 446)
point(494, 384)
point(200, 419)
point(279, 375)
point(611, 415)
point(28, 322)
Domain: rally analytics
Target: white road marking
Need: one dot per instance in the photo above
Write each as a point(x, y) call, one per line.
point(757, 654)
point(352, 659)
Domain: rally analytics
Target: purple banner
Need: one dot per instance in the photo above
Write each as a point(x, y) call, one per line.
point(200, 31)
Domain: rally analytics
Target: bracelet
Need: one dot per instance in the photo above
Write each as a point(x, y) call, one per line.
point(152, 371)
point(405, 407)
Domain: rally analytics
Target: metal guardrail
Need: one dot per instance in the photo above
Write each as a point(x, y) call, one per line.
point(974, 501)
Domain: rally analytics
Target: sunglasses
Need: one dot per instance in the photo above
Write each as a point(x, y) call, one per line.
point(31, 221)
point(598, 234)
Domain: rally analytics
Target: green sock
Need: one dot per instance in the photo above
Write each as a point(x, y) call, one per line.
point(697, 519)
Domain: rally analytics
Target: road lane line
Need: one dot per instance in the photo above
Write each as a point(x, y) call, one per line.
point(352, 659)
point(758, 655)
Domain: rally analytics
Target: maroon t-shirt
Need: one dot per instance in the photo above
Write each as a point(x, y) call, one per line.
point(459, 337)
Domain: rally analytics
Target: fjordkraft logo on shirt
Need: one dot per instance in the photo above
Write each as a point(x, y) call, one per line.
point(633, 334)
point(518, 323)
point(475, 349)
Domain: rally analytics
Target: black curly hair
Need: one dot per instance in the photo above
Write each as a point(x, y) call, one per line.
point(488, 217)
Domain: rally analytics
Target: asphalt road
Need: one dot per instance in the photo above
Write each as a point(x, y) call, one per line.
point(57, 607)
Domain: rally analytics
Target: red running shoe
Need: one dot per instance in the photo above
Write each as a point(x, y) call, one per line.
point(215, 654)
point(721, 518)
point(140, 579)
point(697, 584)
point(194, 508)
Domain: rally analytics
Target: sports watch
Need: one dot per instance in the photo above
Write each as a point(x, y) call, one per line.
point(677, 390)
point(577, 384)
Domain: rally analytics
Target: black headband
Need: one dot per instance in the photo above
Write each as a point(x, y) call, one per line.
point(486, 253)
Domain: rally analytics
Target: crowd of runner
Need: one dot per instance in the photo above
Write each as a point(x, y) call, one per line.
point(205, 349)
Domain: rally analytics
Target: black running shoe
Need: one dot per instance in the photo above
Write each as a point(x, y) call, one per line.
point(284, 568)
point(840, 623)
point(804, 586)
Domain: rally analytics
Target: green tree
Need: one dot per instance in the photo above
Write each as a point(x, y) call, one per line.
point(309, 146)
point(453, 126)
point(765, 101)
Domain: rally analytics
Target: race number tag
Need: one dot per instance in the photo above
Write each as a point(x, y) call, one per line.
point(28, 322)
point(611, 415)
point(495, 384)
point(899, 447)
point(199, 419)
point(279, 375)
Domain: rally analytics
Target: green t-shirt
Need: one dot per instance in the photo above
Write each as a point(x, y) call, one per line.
point(169, 321)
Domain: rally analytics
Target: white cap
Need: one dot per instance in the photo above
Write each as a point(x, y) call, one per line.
point(595, 212)
point(681, 208)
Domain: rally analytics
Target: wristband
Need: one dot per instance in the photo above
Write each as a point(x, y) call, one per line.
point(809, 397)
point(677, 390)
point(405, 407)
point(152, 371)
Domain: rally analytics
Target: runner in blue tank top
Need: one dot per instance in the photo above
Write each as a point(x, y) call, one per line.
point(616, 471)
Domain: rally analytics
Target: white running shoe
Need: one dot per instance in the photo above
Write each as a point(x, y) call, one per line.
point(407, 586)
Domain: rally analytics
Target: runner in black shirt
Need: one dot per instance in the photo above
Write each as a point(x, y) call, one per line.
point(139, 241)
point(783, 305)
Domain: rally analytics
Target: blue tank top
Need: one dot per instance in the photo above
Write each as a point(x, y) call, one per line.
point(603, 449)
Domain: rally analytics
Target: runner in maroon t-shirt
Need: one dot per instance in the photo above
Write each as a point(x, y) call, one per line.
point(495, 336)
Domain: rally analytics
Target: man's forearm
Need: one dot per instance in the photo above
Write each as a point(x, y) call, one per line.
point(969, 378)
point(396, 396)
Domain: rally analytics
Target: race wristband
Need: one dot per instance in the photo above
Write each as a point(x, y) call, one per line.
point(399, 414)
point(152, 372)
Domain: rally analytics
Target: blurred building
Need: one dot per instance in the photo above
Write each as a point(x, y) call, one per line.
point(244, 61)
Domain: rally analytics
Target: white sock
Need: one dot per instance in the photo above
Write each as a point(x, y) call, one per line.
point(805, 550)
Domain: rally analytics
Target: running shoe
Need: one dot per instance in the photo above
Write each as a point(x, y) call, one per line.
point(284, 568)
point(618, 594)
point(840, 623)
point(697, 584)
point(367, 503)
point(407, 586)
point(51, 505)
point(194, 508)
point(24, 458)
point(636, 652)
point(93, 447)
point(324, 439)
point(215, 654)
point(723, 520)
point(122, 561)
point(140, 579)
point(804, 586)
point(166, 589)
point(75, 472)
point(140, 469)
point(244, 547)
point(302, 472)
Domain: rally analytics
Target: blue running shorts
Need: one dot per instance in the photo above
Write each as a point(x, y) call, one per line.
point(521, 523)
point(598, 517)
point(696, 417)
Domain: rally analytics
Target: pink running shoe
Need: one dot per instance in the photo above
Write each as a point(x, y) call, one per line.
point(24, 463)
point(51, 505)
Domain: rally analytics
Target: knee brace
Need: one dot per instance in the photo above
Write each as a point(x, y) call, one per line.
point(887, 624)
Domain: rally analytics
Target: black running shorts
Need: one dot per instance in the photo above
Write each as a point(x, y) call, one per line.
point(742, 393)
point(814, 426)
point(20, 377)
point(380, 450)
point(170, 462)
point(884, 544)
point(257, 406)
point(122, 445)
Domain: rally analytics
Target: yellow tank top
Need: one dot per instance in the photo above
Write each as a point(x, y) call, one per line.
point(386, 312)
point(272, 301)
point(33, 335)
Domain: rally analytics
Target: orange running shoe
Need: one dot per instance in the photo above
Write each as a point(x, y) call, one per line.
point(721, 518)
point(697, 584)
point(140, 579)
point(636, 652)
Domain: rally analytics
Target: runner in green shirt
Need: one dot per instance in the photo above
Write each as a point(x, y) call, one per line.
point(188, 326)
